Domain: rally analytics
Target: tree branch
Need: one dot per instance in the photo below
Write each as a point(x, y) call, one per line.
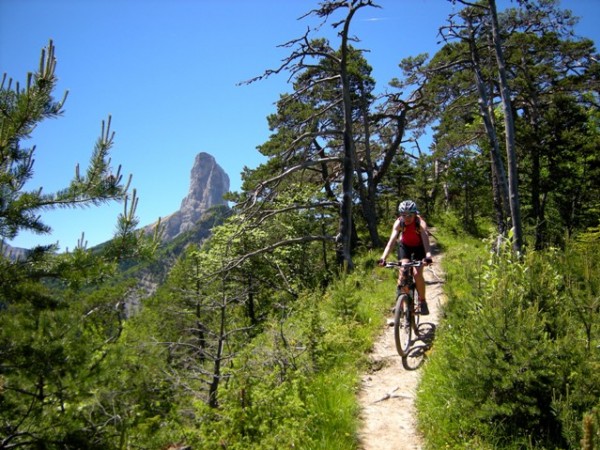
point(301, 240)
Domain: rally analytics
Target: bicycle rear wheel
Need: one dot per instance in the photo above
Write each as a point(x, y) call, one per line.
point(402, 324)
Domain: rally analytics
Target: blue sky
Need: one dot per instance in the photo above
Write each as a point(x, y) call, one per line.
point(167, 73)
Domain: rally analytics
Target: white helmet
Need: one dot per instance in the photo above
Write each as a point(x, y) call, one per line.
point(407, 206)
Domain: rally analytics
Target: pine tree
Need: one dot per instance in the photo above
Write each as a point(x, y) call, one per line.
point(53, 330)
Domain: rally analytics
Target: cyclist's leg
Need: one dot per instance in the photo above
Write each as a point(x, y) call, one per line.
point(403, 257)
point(420, 283)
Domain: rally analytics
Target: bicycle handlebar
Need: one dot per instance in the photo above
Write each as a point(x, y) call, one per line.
point(393, 264)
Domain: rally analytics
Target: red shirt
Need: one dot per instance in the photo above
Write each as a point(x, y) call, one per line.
point(411, 236)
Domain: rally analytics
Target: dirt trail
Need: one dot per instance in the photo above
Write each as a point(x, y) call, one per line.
point(389, 389)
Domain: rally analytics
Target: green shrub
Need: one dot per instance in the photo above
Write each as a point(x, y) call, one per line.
point(512, 365)
point(294, 385)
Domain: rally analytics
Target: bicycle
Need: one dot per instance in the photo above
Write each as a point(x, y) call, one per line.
point(406, 320)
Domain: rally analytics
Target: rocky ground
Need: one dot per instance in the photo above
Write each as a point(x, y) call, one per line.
point(389, 388)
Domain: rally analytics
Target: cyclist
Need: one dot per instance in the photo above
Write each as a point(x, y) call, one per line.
point(410, 231)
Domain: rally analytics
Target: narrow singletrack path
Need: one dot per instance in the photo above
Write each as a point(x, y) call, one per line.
point(388, 389)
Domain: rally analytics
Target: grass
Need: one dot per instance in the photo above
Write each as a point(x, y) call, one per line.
point(354, 310)
point(504, 373)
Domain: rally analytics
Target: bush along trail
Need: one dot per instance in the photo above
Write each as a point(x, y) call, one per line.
point(389, 387)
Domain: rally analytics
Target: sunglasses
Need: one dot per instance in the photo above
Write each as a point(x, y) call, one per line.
point(407, 215)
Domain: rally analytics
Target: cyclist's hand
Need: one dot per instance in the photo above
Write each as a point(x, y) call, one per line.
point(428, 261)
point(381, 262)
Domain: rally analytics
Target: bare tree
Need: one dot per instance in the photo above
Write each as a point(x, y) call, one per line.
point(509, 132)
point(511, 195)
point(304, 54)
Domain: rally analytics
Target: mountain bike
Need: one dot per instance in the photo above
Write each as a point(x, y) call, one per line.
point(406, 320)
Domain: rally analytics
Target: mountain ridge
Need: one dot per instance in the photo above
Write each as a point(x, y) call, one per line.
point(208, 185)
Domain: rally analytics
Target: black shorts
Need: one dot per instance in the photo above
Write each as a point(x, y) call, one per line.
point(411, 253)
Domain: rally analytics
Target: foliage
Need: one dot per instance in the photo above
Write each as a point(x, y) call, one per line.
point(59, 316)
point(313, 354)
point(513, 364)
point(292, 385)
point(552, 78)
point(255, 339)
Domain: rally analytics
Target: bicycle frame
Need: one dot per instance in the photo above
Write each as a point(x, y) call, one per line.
point(409, 284)
point(405, 319)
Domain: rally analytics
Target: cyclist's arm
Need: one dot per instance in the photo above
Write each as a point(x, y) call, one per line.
point(392, 241)
point(425, 239)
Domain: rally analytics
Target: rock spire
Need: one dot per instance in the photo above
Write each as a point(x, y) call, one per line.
point(208, 184)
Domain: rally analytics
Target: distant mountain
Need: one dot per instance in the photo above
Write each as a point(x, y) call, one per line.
point(202, 209)
point(208, 185)
point(12, 253)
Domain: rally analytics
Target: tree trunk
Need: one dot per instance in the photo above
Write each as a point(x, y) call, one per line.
point(535, 194)
point(498, 200)
point(499, 183)
point(344, 240)
point(213, 399)
point(367, 191)
point(509, 130)
point(532, 113)
point(250, 303)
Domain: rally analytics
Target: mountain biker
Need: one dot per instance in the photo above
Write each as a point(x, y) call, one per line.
point(410, 231)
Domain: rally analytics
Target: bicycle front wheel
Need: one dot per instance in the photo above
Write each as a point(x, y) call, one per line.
point(402, 324)
point(415, 317)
